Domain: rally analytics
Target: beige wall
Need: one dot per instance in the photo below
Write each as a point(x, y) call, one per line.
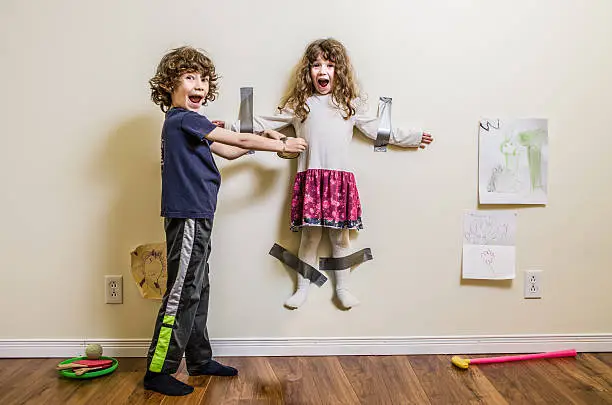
point(79, 163)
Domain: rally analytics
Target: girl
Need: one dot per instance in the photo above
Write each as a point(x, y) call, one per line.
point(323, 105)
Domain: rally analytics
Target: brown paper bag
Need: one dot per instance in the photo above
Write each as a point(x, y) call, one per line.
point(149, 270)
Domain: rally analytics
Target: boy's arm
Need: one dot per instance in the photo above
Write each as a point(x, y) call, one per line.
point(233, 152)
point(254, 142)
point(226, 151)
point(198, 126)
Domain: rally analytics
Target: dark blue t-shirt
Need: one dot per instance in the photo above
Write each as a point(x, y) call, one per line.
point(190, 177)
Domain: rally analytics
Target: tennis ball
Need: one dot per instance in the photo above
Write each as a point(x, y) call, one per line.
point(93, 351)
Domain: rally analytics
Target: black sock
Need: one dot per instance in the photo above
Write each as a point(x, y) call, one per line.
point(214, 368)
point(166, 384)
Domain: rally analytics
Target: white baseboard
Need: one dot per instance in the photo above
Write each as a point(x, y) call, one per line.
point(22, 348)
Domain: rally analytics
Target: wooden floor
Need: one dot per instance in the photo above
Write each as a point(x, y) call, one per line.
point(586, 379)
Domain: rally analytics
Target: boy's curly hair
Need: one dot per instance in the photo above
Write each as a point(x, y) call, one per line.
point(344, 90)
point(181, 60)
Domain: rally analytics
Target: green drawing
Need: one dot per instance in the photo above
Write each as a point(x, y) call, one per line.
point(533, 141)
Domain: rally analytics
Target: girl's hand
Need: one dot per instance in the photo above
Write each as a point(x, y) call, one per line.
point(220, 124)
point(426, 140)
point(270, 133)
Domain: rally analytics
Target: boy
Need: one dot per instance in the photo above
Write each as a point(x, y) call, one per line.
point(185, 80)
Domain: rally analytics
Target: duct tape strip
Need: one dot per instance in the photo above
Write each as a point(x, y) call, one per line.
point(346, 262)
point(246, 111)
point(384, 126)
point(296, 264)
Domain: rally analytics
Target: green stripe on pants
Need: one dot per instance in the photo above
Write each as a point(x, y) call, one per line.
point(163, 341)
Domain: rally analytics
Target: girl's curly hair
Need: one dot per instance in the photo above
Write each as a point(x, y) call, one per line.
point(344, 89)
point(178, 61)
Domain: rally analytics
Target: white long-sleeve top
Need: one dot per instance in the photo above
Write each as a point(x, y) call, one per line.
point(328, 134)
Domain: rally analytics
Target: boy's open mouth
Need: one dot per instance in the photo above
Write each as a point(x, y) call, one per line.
point(195, 99)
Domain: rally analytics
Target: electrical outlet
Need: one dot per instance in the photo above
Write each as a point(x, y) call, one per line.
point(533, 284)
point(113, 289)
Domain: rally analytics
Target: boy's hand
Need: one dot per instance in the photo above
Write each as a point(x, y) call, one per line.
point(270, 133)
point(426, 140)
point(220, 124)
point(295, 145)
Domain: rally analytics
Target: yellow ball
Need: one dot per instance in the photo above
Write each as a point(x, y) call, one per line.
point(93, 351)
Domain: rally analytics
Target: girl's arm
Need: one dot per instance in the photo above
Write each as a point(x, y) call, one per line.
point(263, 123)
point(407, 138)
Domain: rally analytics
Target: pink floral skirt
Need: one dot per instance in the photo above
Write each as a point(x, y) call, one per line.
point(326, 198)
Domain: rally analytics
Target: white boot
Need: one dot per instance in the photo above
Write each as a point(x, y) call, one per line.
point(309, 244)
point(300, 295)
point(345, 297)
point(341, 246)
